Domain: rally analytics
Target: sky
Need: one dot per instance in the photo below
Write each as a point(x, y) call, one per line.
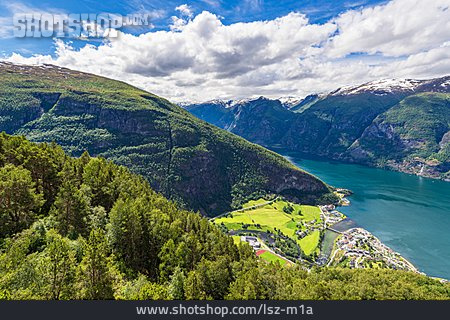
point(196, 51)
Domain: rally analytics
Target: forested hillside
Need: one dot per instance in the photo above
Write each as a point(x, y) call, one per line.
point(189, 161)
point(413, 136)
point(86, 228)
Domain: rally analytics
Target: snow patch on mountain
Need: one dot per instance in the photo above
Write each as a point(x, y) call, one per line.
point(381, 87)
point(289, 101)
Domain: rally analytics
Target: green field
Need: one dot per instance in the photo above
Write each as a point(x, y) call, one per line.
point(254, 203)
point(270, 257)
point(272, 217)
point(310, 242)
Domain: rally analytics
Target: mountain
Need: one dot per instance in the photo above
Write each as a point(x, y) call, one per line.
point(188, 160)
point(413, 136)
point(398, 124)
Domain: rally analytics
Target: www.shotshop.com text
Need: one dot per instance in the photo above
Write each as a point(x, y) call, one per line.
point(223, 311)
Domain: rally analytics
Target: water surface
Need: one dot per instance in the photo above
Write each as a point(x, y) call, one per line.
point(410, 214)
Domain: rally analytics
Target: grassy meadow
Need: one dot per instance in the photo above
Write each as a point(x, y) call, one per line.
point(273, 217)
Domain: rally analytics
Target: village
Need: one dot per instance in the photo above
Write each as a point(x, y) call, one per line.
point(330, 216)
point(358, 248)
point(325, 219)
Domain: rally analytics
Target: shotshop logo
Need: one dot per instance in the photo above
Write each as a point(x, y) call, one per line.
point(76, 25)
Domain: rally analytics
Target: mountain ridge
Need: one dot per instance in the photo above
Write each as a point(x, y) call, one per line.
point(333, 125)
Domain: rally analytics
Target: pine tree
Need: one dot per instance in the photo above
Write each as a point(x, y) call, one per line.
point(72, 204)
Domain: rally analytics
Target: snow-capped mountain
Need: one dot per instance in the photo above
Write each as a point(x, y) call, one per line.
point(386, 86)
point(290, 101)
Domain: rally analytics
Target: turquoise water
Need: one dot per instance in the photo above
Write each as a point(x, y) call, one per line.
point(410, 214)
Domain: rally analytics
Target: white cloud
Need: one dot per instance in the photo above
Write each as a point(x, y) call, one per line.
point(178, 23)
point(185, 10)
point(423, 64)
point(401, 27)
point(201, 58)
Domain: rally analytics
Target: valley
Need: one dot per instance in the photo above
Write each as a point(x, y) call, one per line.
point(64, 218)
point(224, 159)
point(145, 213)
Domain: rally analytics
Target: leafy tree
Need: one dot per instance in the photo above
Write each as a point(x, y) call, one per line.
point(193, 289)
point(145, 247)
point(19, 201)
point(19, 277)
point(248, 286)
point(94, 275)
point(98, 175)
point(142, 289)
point(288, 209)
point(176, 285)
point(72, 204)
point(167, 255)
point(56, 267)
point(128, 234)
point(98, 218)
point(44, 162)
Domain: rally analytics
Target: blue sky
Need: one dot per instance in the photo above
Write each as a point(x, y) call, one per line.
point(318, 11)
point(207, 49)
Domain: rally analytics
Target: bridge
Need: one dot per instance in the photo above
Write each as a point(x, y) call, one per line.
point(334, 230)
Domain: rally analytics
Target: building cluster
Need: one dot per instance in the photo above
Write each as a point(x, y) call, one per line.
point(330, 215)
point(308, 227)
point(252, 241)
point(359, 248)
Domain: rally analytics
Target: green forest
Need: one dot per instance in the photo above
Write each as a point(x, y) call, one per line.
point(86, 228)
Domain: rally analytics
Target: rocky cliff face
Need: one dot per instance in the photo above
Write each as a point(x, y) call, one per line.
point(411, 137)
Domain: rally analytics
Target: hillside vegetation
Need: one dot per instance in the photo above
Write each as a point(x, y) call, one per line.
point(414, 133)
point(189, 161)
point(88, 229)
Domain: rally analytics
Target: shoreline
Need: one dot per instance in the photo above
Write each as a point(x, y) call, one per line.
point(352, 247)
point(388, 255)
point(393, 167)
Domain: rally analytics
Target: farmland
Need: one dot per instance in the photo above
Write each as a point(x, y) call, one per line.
point(279, 221)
